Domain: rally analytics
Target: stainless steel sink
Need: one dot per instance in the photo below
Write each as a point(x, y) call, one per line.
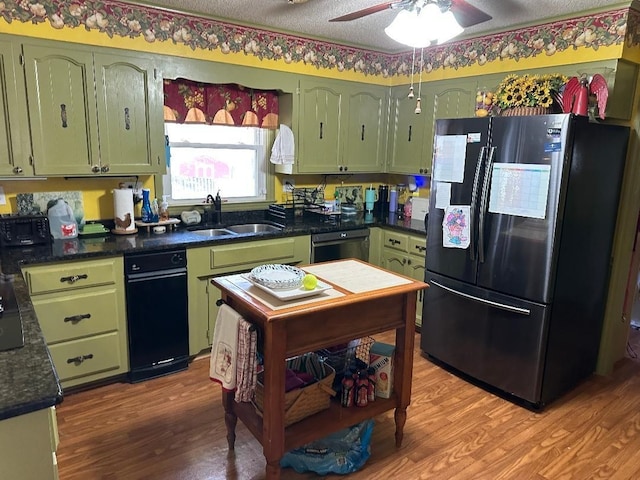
point(214, 232)
point(254, 228)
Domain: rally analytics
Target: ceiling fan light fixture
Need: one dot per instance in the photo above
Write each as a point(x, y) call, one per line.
point(422, 26)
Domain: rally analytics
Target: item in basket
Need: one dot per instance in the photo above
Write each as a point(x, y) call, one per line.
point(348, 387)
point(362, 389)
point(381, 360)
point(371, 391)
point(294, 379)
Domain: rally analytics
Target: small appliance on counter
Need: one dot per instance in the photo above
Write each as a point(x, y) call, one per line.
point(24, 230)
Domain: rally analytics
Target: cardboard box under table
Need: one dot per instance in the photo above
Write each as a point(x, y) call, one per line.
point(381, 359)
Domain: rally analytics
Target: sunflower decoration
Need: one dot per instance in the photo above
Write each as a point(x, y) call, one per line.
point(529, 90)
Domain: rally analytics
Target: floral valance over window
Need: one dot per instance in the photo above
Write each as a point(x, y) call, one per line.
point(186, 101)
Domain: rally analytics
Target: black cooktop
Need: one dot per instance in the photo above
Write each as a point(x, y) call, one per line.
point(11, 335)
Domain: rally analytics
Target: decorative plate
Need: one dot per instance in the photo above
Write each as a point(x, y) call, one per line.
point(277, 277)
point(292, 293)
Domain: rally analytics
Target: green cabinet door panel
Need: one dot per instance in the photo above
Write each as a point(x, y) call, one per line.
point(319, 129)
point(406, 132)
point(62, 110)
point(130, 119)
point(14, 136)
point(365, 132)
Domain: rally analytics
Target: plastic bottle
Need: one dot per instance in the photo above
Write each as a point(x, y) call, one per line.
point(408, 208)
point(371, 392)
point(348, 388)
point(164, 208)
point(147, 213)
point(62, 222)
point(362, 389)
point(393, 200)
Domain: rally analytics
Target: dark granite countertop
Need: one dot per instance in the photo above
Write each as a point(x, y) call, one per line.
point(29, 380)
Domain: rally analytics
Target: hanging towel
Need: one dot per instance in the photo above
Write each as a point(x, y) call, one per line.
point(247, 374)
point(224, 348)
point(283, 150)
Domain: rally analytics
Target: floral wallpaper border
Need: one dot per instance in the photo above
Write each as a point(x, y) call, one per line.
point(115, 18)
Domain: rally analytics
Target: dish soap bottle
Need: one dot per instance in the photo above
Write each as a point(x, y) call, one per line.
point(147, 213)
point(164, 209)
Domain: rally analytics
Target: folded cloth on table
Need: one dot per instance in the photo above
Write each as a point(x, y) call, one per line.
point(247, 374)
point(224, 348)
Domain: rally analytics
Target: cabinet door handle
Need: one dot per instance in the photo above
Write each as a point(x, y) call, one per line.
point(409, 133)
point(76, 318)
point(17, 170)
point(74, 278)
point(362, 134)
point(321, 126)
point(63, 115)
point(127, 120)
point(80, 358)
point(104, 169)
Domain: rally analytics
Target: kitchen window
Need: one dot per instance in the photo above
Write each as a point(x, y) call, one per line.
point(219, 138)
point(203, 159)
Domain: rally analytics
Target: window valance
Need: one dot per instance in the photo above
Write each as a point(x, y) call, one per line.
point(186, 101)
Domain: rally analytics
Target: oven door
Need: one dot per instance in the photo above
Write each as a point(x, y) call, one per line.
point(340, 245)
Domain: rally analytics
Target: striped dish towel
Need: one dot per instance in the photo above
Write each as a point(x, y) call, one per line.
point(247, 374)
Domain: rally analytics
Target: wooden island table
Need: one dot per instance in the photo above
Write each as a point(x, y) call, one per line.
point(365, 300)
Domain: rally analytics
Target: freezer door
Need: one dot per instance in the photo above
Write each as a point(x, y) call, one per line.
point(493, 338)
point(522, 205)
point(456, 262)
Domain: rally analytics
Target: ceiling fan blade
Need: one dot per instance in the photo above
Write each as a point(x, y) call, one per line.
point(468, 15)
point(369, 10)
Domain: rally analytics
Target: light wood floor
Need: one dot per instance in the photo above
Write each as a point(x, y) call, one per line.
point(172, 428)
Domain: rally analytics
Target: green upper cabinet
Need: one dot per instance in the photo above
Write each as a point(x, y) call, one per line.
point(341, 127)
point(14, 139)
point(319, 128)
point(406, 133)
point(130, 117)
point(93, 113)
point(364, 139)
point(62, 110)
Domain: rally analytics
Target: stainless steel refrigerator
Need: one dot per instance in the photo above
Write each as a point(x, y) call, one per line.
point(519, 239)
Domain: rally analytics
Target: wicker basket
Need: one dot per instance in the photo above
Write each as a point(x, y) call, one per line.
point(524, 111)
point(303, 402)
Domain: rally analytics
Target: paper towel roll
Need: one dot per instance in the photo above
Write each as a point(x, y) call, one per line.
point(123, 210)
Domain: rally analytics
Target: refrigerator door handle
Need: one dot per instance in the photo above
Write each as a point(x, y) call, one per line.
point(503, 306)
point(474, 202)
point(483, 202)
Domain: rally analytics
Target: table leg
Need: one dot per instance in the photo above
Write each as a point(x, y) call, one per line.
point(400, 416)
point(230, 418)
point(273, 471)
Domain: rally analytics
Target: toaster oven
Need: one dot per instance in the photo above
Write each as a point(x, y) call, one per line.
point(24, 230)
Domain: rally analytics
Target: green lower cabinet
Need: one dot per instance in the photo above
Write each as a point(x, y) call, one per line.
point(204, 263)
point(28, 445)
point(405, 254)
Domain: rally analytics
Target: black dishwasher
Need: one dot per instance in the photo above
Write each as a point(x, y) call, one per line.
point(156, 291)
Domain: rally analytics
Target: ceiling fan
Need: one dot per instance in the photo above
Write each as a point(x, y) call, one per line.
point(466, 15)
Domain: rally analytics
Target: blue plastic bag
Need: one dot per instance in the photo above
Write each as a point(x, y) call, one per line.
point(342, 452)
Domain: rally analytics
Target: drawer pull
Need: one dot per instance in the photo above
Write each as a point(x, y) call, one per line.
point(420, 248)
point(79, 359)
point(76, 318)
point(393, 241)
point(74, 278)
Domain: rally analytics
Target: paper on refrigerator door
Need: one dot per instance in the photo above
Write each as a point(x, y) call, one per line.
point(443, 195)
point(455, 226)
point(449, 158)
point(520, 189)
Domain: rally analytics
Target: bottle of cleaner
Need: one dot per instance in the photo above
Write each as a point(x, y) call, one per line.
point(62, 221)
point(147, 213)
